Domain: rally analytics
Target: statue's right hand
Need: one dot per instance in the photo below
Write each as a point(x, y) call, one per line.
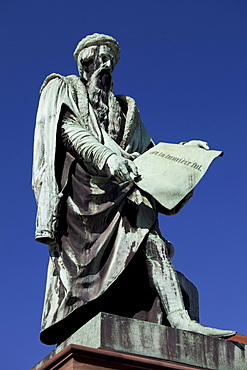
point(119, 168)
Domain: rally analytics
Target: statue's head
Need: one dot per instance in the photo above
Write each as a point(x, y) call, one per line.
point(96, 52)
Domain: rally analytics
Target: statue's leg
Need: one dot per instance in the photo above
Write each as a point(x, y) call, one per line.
point(164, 278)
point(162, 273)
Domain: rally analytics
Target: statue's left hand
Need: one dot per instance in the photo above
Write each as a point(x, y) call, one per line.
point(197, 143)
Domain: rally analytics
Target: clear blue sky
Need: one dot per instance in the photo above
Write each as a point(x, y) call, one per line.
point(185, 63)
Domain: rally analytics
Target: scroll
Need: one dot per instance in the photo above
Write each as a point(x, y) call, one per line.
point(169, 172)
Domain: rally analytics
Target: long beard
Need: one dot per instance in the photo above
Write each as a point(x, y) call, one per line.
point(105, 104)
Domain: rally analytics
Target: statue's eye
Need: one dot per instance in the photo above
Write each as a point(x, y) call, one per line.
point(104, 58)
point(87, 62)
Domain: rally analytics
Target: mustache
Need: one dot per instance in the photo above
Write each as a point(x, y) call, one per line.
point(102, 78)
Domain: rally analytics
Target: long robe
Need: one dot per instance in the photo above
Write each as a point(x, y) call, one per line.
point(98, 224)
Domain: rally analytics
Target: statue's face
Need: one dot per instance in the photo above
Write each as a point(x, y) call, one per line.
point(95, 58)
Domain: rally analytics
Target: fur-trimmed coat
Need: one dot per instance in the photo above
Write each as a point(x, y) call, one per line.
point(57, 92)
point(98, 224)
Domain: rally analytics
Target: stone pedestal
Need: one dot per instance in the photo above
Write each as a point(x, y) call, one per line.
point(113, 342)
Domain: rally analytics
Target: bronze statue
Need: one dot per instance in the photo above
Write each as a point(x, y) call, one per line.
point(106, 250)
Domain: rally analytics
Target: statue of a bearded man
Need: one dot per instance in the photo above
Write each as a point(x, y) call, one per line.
point(106, 250)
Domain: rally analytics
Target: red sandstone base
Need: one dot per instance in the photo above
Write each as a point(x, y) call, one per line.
point(74, 357)
point(239, 338)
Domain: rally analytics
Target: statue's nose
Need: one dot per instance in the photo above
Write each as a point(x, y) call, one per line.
point(107, 64)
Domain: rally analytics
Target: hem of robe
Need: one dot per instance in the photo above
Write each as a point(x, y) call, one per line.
point(130, 295)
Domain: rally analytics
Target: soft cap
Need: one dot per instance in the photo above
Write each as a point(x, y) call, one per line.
point(98, 39)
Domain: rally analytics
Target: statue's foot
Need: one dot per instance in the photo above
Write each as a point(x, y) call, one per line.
point(180, 320)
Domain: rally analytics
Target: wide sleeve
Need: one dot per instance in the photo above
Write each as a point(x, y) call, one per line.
point(55, 94)
point(82, 144)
